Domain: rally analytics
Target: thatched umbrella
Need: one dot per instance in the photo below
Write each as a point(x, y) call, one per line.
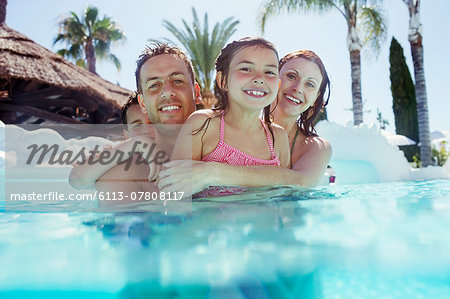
point(37, 84)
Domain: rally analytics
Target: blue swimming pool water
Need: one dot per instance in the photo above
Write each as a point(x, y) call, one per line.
point(386, 240)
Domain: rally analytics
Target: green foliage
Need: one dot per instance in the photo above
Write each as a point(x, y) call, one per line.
point(403, 95)
point(369, 19)
point(440, 155)
point(371, 27)
point(275, 7)
point(203, 47)
point(410, 151)
point(416, 159)
point(80, 32)
point(381, 121)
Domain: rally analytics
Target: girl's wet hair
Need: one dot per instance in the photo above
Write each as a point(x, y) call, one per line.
point(222, 64)
point(306, 120)
point(132, 100)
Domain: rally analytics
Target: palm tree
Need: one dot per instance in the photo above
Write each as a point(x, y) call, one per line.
point(3, 4)
point(203, 47)
point(365, 25)
point(415, 40)
point(90, 36)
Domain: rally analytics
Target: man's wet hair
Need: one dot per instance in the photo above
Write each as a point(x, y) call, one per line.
point(156, 49)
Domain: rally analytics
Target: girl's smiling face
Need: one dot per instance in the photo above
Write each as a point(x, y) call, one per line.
point(300, 84)
point(253, 79)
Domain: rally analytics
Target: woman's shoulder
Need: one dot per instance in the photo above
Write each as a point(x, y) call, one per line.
point(314, 144)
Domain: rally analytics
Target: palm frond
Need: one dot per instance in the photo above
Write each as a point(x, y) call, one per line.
point(81, 63)
point(371, 27)
point(62, 52)
point(90, 17)
point(162, 41)
point(75, 17)
point(115, 60)
point(202, 46)
point(76, 32)
point(275, 7)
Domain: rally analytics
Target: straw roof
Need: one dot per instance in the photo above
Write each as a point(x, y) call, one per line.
point(21, 58)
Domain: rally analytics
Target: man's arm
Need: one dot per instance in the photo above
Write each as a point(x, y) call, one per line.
point(85, 175)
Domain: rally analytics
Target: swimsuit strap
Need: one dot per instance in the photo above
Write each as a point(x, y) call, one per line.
point(222, 129)
point(293, 143)
point(269, 139)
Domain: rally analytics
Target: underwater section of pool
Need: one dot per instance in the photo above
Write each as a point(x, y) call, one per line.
point(387, 240)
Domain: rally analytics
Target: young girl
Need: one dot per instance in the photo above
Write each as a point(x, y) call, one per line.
point(246, 83)
point(304, 91)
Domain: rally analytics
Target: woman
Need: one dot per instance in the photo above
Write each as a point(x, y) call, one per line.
point(303, 89)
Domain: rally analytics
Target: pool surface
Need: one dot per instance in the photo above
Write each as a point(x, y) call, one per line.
point(388, 240)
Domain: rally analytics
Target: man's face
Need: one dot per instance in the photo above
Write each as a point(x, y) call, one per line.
point(169, 96)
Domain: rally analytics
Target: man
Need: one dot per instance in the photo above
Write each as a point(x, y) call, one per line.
point(166, 85)
point(168, 93)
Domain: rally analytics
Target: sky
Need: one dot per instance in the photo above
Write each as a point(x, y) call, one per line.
point(325, 33)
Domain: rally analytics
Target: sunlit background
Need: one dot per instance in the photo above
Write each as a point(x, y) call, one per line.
point(324, 33)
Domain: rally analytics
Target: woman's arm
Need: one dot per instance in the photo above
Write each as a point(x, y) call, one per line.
point(315, 156)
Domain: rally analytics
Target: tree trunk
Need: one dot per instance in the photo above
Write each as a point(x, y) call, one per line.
point(3, 4)
point(354, 47)
point(422, 106)
point(415, 40)
point(355, 61)
point(90, 57)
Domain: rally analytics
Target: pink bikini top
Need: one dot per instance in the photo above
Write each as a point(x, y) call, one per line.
point(225, 153)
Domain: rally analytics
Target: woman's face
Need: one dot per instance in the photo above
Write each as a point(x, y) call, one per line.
point(300, 83)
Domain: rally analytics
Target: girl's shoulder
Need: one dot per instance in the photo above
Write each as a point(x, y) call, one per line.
point(204, 120)
point(201, 116)
point(278, 130)
point(279, 134)
point(281, 144)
